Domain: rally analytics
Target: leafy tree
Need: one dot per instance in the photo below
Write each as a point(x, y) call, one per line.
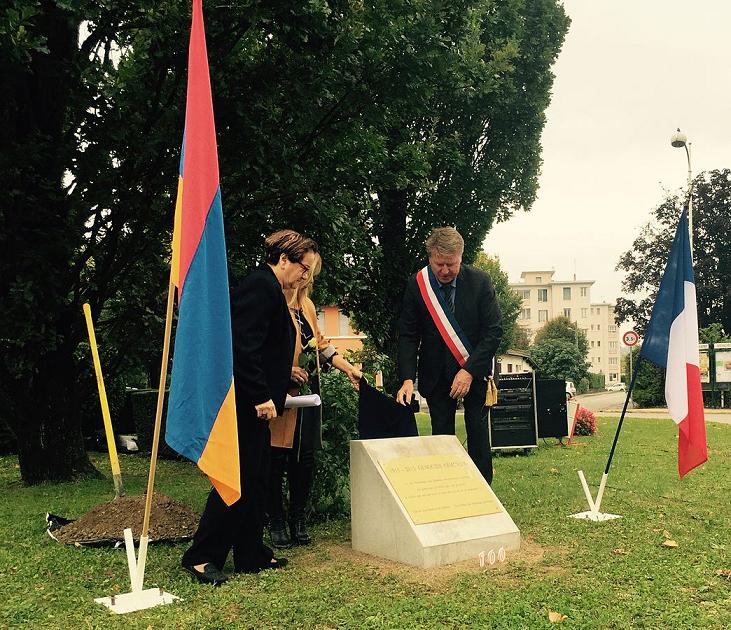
point(522, 338)
point(562, 327)
point(559, 358)
point(645, 262)
point(508, 300)
point(89, 168)
point(713, 333)
point(365, 125)
point(649, 389)
point(460, 145)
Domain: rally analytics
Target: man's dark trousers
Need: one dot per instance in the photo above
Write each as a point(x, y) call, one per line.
point(442, 409)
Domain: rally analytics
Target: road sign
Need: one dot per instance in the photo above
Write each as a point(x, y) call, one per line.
point(630, 338)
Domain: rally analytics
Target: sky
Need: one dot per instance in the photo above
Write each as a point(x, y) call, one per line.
point(628, 75)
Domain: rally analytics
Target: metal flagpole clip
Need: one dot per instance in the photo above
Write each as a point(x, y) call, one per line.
point(593, 514)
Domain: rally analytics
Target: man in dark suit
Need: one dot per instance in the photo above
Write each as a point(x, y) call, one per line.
point(263, 348)
point(468, 302)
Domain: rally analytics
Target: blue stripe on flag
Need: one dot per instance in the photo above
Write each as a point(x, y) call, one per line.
point(670, 300)
point(203, 366)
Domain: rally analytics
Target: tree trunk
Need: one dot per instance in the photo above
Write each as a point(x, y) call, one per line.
point(50, 443)
point(51, 449)
point(395, 267)
point(42, 321)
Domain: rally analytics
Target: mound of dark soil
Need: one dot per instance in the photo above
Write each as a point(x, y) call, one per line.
point(169, 520)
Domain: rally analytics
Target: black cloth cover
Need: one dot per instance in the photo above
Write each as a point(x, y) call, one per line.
point(380, 416)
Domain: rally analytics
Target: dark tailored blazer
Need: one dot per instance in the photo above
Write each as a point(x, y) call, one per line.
point(477, 312)
point(263, 341)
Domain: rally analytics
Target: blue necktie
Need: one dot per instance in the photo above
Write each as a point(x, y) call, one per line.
point(448, 290)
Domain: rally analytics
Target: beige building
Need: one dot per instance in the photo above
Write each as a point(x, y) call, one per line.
point(336, 327)
point(545, 298)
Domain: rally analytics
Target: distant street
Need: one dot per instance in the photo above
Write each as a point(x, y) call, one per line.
point(603, 401)
point(610, 404)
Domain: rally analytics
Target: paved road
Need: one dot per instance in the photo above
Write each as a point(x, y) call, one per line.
point(610, 404)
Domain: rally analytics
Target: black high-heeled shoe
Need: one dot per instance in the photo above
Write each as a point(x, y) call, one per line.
point(210, 574)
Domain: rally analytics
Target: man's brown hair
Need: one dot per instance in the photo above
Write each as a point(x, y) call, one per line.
point(445, 241)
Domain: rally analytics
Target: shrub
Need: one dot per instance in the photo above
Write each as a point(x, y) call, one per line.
point(373, 361)
point(596, 381)
point(330, 495)
point(585, 422)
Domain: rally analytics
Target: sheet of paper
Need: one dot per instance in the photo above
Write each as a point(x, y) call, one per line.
point(308, 400)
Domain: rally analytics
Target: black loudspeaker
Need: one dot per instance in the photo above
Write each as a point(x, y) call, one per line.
point(551, 402)
point(513, 419)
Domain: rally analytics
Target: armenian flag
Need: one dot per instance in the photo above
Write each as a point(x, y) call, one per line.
point(671, 342)
point(201, 418)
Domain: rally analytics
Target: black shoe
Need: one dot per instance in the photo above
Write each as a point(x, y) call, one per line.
point(276, 563)
point(279, 535)
point(299, 532)
point(211, 574)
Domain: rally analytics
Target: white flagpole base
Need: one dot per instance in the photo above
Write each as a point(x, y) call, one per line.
point(136, 600)
point(595, 516)
point(593, 513)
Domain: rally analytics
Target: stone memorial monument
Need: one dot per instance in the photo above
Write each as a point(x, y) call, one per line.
point(423, 502)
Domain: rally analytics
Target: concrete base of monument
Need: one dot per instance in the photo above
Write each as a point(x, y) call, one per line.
point(422, 501)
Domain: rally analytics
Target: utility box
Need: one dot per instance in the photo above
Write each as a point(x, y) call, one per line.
point(551, 400)
point(529, 407)
point(513, 421)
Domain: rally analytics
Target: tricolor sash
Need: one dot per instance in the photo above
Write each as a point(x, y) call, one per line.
point(442, 315)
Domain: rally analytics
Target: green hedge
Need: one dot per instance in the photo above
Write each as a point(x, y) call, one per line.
point(330, 495)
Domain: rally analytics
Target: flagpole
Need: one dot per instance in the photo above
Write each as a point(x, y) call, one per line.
point(624, 411)
point(156, 436)
point(603, 483)
point(594, 512)
point(137, 598)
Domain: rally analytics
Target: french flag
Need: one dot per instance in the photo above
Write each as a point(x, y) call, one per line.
point(671, 341)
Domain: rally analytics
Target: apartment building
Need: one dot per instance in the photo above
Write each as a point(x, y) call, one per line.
point(545, 298)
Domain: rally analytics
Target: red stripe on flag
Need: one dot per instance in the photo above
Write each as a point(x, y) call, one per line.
point(692, 446)
point(435, 316)
point(200, 160)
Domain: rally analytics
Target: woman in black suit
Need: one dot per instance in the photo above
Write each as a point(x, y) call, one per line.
point(263, 346)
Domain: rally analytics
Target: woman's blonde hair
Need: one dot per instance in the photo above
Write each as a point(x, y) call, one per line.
point(297, 295)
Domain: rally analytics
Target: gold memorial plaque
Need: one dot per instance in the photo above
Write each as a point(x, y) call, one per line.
point(439, 488)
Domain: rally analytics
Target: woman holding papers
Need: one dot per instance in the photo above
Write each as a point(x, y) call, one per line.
point(263, 341)
point(297, 433)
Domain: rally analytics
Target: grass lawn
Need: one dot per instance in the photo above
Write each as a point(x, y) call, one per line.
point(600, 575)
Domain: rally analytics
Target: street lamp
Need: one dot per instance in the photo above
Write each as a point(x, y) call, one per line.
point(679, 139)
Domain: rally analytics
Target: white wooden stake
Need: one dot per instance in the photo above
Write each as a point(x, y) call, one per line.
point(593, 514)
point(587, 493)
point(137, 598)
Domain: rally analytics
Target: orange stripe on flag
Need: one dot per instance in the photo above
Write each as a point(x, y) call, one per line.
point(220, 458)
point(175, 262)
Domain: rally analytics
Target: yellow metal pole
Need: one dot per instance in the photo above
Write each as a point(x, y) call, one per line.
point(111, 445)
